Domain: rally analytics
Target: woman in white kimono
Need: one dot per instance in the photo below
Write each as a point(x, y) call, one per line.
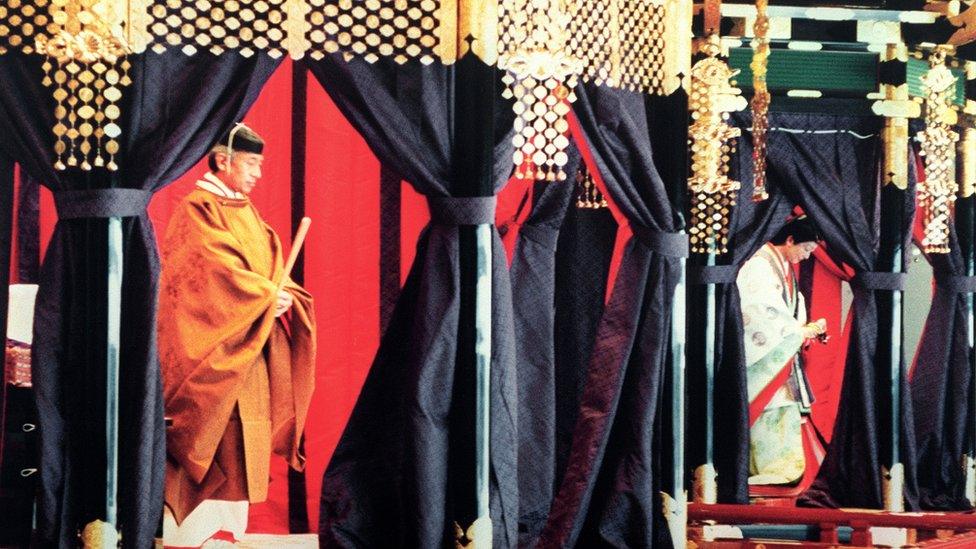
point(774, 318)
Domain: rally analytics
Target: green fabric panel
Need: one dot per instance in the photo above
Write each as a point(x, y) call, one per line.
point(918, 67)
point(828, 71)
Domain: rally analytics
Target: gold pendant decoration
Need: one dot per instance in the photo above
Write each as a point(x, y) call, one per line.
point(588, 195)
point(639, 45)
point(937, 193)
point(85, 43)
point(713, 193)
point(87, 66)
point(540, 74)
point(547, 46)
point(760, 101)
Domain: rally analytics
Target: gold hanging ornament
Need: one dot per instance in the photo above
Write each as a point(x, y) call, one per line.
point(760, 101)
point(540, 74)
point(87, 67)
point(547, 46)
point(937, 193)
point(588, 195)
point(713, 193)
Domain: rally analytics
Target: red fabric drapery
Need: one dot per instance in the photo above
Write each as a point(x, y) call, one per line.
point(623, 226)
point(825, 363)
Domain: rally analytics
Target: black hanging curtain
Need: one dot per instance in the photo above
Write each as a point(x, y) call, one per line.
point(6, 229)
point(397, 477)
point(584, 252)
point(942, 380)
point(173, 111)
point(533, 275)
point(609, 493)
point(832, 169)
point(27, 221)
point(751, 226)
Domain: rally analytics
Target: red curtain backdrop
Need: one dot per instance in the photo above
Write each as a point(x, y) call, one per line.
point(342, 273)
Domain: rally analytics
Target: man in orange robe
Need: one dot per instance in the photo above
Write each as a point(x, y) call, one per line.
point(237, 354)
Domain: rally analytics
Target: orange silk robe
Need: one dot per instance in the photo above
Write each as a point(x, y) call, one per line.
point(237, 381)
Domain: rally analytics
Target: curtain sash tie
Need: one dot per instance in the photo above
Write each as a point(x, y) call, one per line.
point(959, 284)
point(468, 210)
point(99, 203)
point(669, 244)
point(880, 280)
point(713, 274)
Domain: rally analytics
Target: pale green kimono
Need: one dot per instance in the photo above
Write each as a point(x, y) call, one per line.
point(773, 315)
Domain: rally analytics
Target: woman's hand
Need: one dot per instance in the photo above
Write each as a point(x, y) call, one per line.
point(283, 303)
point(813, 329)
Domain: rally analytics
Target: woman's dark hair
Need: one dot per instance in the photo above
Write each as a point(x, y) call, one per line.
point(802, 229)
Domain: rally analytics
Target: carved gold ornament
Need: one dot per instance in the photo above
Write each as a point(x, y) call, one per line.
point(588, 195)
point(937, 193)
point(760, 101)
point(713, 193)
point(896, 107)
point(967, 151)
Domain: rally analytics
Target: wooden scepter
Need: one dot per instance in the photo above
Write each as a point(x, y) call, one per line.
point(296, 247)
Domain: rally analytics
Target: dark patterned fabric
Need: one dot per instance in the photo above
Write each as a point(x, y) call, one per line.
point(28, 229)
point(609, 493)
point(942, 379)
point(533, 272)
point(6, 228)
point(834, 177)
point(173, 112)
point(583, 255)
point(400, 474)
point(389, 244)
